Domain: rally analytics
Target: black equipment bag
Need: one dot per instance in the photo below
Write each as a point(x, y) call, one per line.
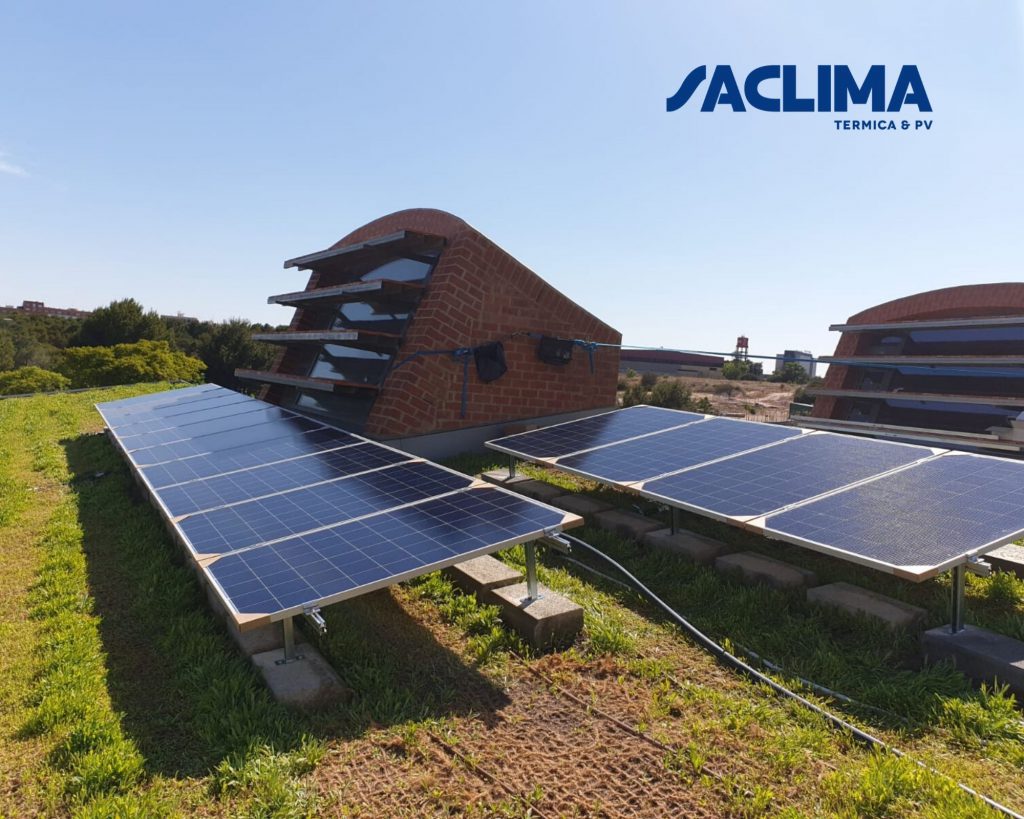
point(490, 361)
point(552, 350)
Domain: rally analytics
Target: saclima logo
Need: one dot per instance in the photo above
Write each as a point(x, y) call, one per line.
point(837, 89)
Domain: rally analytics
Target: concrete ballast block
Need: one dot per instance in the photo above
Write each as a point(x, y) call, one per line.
point(500, 477)
point(538, 490)
point(757, 568)
point(626, 524)
point(550, 620)
point(308, 683)
point(696, 547)
point(481, 574)
point(854, 599)
point(1007, 559)
point(582, 505)
point(982, 655)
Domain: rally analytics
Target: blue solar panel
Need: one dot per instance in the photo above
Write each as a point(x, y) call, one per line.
point(313, 507)
point(243, 457)
point(196, 417)
point(795, 470)
point(269, 431)
point(597, 430)
point(675, 449)
point(160, 402)
point(921, 519)
point(208, 401)
point(251, 416)
point(270, 479)
point(126, 404)
point(356, 557)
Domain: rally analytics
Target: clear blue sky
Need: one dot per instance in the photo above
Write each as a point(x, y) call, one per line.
point(179, 152)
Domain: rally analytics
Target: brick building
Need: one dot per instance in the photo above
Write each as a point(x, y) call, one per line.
point(38, 308)
point(365, 347)
point(945, 366)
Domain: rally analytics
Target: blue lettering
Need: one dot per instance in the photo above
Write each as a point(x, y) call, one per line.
point(753, 93)
point(722, 90)
point(682, 96)
point(790, 101)
point(909, 90)
point(873, 88)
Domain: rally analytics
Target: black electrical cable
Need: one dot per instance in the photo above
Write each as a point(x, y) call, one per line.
point(732, 661)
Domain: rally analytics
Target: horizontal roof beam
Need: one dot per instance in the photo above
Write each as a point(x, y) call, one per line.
point(350, 291)
point(932, 324)
point(304, 382)
point(923, 397)
point(398, 240)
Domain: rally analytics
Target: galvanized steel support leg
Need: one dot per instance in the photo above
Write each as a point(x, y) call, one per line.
point(531, 571)
point(511, 466)
point(288, 627)
point(675, 521)
point(956, 613)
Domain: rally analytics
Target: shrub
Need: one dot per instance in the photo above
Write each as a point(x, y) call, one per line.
point(630, 373)
point(31, 379)
point(648, 380)
point(128, 364)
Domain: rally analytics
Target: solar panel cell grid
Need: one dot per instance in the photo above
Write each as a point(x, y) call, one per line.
point(194, 496)
point(160, 402)
point(200, 429)
point(244, 457)
point(339, 561)
point(302, 510)
point(927, 515)
point(794, 471)
point(268, 431)
point(209, 401)
point(676, 449)
point(190, 420)
point(597, 430)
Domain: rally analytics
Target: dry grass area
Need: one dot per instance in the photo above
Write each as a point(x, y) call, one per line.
point(121, 694)
point(760, 400)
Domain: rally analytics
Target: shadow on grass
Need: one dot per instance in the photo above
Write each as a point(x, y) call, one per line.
point(187, 696)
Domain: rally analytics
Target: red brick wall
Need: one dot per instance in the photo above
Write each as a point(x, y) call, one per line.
point(965, 301)
point(479, 293)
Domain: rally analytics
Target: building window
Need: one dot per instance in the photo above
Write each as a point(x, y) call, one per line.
point(340, 362)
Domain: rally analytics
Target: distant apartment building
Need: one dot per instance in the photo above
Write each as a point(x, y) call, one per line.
point(668, 362)
point(802, 357)
point(37, 308)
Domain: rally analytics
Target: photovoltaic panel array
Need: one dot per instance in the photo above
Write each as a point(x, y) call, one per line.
point(909, 510)
point(283, 512)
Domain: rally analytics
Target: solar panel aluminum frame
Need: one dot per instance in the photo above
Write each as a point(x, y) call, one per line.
point(754, 523)
point(552, 461)
point(915, 574)
point(247, 622)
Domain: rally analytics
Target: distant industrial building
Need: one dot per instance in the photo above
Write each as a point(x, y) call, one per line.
point(802, 357)
point(666, 362)
point(417, 326)
point(946, 366)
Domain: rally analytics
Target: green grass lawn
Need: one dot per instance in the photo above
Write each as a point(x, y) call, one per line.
point(121, 694)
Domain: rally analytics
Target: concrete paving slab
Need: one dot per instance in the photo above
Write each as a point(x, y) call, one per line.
point(757, 568)
point(582, 505)
point(698, 548)
point(538, 490)
point(549, 621)
point(982, 655)
point(481, 574)
point(308, 683)
point(847, 597)
point(626, 524)
point(1007, 559)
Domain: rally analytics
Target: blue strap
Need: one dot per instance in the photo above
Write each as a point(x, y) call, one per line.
point(590, 347)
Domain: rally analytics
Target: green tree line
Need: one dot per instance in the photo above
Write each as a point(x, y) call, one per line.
point(124, 343)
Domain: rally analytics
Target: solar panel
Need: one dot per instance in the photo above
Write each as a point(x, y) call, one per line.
point(918, 521)
point(313, 507)
point(356, 557)
point(197, 429)
point(238, 479)
point(652, 455)
point(268, 431)
point(769, 479)
point(244, 457)
point(597, 430)
point(268, 479)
